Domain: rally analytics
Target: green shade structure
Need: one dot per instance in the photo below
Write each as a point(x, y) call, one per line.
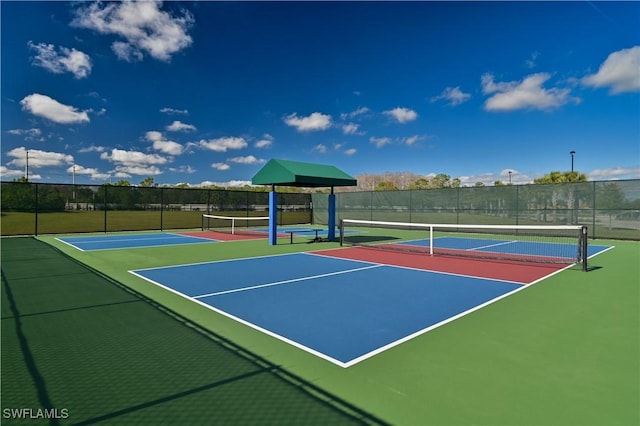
point(295, 173)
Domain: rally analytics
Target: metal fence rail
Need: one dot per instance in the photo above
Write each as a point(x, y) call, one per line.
point(611, 209)
point(39, 208)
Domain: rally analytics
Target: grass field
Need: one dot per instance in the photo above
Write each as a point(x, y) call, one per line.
point(109, 346)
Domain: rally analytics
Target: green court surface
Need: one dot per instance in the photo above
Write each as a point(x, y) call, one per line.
point(83, 336)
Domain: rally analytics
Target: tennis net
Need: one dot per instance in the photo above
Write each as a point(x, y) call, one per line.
point(238, 225)
point(522, 243)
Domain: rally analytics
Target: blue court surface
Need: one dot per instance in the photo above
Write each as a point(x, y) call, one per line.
point(543, 249)
point(344, 311)
point(111, 242)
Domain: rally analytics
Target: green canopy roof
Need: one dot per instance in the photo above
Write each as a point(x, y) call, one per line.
point(295, 173)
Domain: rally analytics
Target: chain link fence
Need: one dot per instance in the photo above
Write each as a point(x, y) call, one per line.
point(39, 208)
point(611, 209)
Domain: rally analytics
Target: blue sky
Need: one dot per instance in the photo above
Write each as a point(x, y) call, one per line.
point(207, 92)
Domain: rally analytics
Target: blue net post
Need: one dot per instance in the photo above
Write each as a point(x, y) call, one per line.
point(331, 232)
point(273, 217)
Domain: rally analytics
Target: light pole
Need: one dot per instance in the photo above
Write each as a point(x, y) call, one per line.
point(26, 168)
point(509, 177)
point(572, 154)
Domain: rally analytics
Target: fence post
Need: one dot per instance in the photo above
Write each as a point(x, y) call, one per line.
point(106, 199)
point(35, 210)
point(458, 206)
point(593, 209)
point(161, 209)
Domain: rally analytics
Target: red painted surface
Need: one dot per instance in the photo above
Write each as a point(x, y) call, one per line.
point(521, 272)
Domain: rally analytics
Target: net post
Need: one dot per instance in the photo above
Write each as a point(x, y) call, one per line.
point(203, 218)
point(584, 247)
point(341, 232)
point(431, 240)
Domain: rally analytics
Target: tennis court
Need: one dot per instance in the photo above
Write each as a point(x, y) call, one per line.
point(378, 325)
point(124, 241)
point(346, 305)
point(114, 242)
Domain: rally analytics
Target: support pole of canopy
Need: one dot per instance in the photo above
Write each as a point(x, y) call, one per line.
point(273, 216)
point(331, 232)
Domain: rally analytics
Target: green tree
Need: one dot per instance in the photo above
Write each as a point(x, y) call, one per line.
point(438, 181)
point(385, 186)
point(422, 183)
point(18, 195)
point(147, 182)
point(561, 177)
point(559, 191)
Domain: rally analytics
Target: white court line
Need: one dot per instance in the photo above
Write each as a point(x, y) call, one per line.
point(69, 244)
point(312, 277)
point(323, 355)
point(246, 323)
point(156, 237)
point(164, 237)
point(492, 245)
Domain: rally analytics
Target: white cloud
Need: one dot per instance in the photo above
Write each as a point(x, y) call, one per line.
point(64, 60)
point(403, 140)
point(143, 26)
point(46, 107)
point(620, 71)
point(133, 161)
point(126, 51)
point(231, 183)
point(314, 122)
point(354, 114)
point(525, 94)
point(11, 173)
point(38, 158)
point(453, 95)
point(179, 126)
point(92, 172)
point(249, 159)
point(615, 173)
point(183, 169)
point(127, 171)
point(322, 149)
point(531, 62)
point(92, 148)
point(380, 142)
point(223, 144)
point(351, 129)
point(402, 115)
point(410, 140)
point(221, 166)
point(160, 143)
point(350, 151)
point(171, 111)
point(29, 134)
point(265, 142)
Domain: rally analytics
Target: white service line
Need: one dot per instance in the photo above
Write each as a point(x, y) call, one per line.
point(312, 277)
point(492, 245)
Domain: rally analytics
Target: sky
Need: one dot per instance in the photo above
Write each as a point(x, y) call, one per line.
point(206, 93)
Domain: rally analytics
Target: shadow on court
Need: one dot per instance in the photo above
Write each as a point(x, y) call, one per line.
point(89, 350)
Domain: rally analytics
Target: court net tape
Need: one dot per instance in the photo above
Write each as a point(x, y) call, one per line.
point(565, 244)
point(244, 225)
